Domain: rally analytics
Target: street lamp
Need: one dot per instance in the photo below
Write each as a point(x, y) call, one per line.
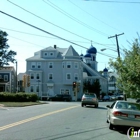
point(108, 49)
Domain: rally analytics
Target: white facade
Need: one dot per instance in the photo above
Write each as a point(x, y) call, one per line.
point(53, 71)
point(112, 88)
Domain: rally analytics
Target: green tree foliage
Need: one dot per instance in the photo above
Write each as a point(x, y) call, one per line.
point(94, 87)
point(5, 55)
point(128, 70)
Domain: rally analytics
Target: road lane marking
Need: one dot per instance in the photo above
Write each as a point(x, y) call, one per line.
point(35, 118)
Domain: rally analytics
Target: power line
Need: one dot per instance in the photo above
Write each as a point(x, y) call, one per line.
point(47, 20)
point(73, 18)
point(92, 15)
point(55, 25)
point(26, 33)
point(108, 55)
point(129, 2)
point(56, 38)
point(46, 31)
point(42, 30)
point(26, 41)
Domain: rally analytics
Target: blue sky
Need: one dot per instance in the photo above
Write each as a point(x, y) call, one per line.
point(87, 19)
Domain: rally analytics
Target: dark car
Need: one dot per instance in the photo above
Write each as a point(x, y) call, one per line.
point(60, 97)
point(106, 98)
point(138, 101)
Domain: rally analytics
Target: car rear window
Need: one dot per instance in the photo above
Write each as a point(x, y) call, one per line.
point(127, 105)
point(89, 95)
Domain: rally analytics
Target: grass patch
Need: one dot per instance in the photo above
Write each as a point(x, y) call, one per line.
point(19, 104)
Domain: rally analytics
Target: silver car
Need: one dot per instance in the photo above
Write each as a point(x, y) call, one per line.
point(123, 113)
point(89, 99)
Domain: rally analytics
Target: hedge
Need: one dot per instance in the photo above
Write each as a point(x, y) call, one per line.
point(18, 97)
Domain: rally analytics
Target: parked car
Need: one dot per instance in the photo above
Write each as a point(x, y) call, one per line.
point(89, 99)
point(106, 98)
point(138, 101)
point(123, 113)
point(60, 97)
point(120, 97)
point(113, 97)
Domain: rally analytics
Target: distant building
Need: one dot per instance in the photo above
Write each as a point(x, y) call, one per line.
point(53, 70)
point(112, 79)
point(7, 79)
point(20, 82)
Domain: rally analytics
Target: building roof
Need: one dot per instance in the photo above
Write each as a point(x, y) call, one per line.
point(65, 52)
point(50, 48)
point(8, 69)
point(105, 70)
point(87, 55)
point(70, 52)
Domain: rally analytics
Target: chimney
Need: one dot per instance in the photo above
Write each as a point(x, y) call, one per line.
point(55, 46)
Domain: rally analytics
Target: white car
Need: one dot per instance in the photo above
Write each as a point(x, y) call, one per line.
point(113, 97)
point(123, 113)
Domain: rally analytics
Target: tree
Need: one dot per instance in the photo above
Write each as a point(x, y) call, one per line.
point(5, 55)
point(128, 70)
point(94, 87)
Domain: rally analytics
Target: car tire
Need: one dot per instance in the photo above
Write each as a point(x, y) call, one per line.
point(111, 126)
point(82, 105)
point(96, 106)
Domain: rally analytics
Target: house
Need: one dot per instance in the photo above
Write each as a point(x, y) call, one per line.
point(8, 79)
point(53, 70)
point(112, 79)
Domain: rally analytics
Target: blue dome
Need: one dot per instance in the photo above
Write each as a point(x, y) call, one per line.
point(105, 70)
point(92, 50)
point(87, 55)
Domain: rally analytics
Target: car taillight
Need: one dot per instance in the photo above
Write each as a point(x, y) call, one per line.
point(137, 116)
point(118, 113)
point(94, 99)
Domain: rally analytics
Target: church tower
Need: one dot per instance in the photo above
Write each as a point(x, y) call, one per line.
point(105, 73)
point(90, 57)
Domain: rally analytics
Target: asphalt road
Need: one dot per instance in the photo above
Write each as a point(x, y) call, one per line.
point(57, 121)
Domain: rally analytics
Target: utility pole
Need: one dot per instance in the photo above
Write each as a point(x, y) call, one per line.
point(116, 36)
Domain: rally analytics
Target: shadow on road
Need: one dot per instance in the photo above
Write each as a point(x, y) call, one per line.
point(125, 130)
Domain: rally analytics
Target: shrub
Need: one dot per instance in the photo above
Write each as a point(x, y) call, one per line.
point(18, 97)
